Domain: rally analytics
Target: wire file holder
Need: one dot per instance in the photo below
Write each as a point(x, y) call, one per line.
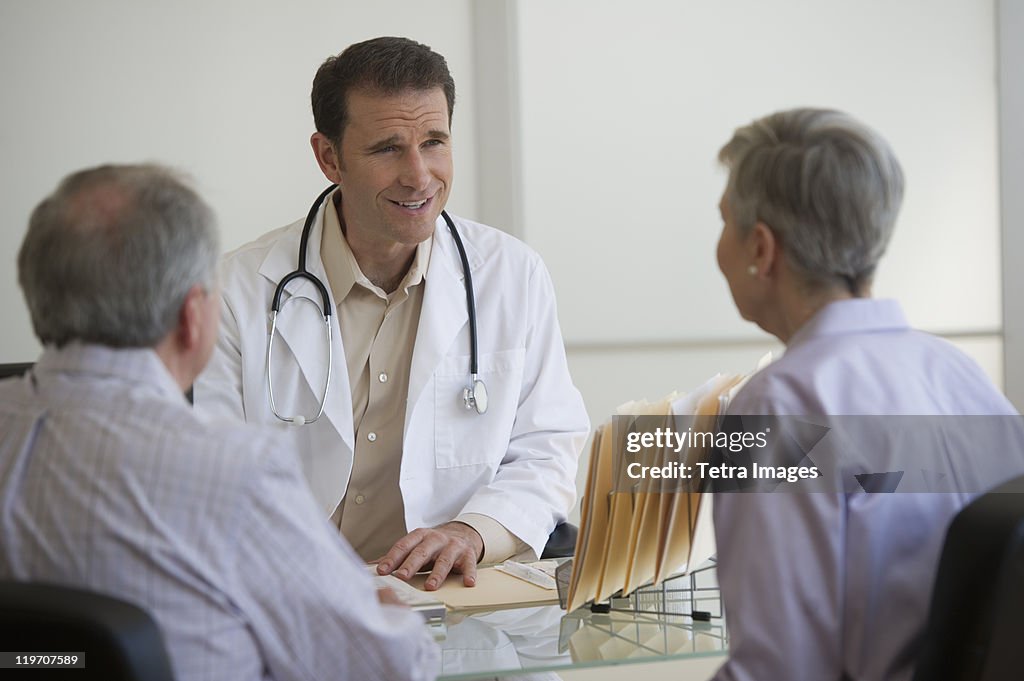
point(694, 594)
point(683, 613)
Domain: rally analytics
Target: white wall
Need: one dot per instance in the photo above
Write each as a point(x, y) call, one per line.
point(624, 106)
point(596, 131)
point(218, 88)
point(1011, 132)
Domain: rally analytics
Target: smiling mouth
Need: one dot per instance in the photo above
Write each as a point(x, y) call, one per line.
point(411, 205)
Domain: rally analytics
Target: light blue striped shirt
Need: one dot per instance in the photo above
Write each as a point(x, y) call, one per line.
point(109, 481)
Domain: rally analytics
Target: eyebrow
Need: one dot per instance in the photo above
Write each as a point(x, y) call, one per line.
point(396, 139)
point(387, 142)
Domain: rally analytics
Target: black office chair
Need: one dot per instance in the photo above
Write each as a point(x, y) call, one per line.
point(14, 369)
point(121, 641)
point(975, 630)
point(561, 542)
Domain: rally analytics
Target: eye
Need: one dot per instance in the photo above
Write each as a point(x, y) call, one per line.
point(386, 149)
point(433, 143)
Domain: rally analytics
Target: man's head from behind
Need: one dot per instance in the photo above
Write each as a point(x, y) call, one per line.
point(123, 256)
point(385, 66)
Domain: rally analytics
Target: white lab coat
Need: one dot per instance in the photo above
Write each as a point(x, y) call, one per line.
point(516, 463)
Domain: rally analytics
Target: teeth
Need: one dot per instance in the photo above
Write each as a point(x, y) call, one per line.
point(412, 204)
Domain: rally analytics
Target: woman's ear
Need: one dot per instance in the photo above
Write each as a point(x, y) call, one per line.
point(766, 249)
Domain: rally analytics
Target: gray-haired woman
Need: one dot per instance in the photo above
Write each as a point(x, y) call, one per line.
point(833, 584)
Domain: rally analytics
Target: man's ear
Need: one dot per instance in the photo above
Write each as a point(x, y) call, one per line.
point(326, 156)
point(766, 247)
point(191, 319)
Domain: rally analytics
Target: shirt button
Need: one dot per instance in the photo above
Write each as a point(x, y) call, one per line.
point(360, 498)
point(372, 437)
point(382, 377)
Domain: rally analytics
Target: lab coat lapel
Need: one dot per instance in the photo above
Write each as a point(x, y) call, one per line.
point(444, 311)
point(307, 338)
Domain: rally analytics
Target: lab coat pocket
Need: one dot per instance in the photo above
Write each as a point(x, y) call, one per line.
point(462, 437)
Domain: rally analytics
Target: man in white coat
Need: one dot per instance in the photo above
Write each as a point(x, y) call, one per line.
point(408, 471)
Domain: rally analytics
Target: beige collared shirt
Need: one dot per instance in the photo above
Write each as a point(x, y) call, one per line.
point(378, 332)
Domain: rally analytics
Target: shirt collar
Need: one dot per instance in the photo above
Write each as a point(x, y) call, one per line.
point(857, 315)
point(343, 270)
point(136, 366)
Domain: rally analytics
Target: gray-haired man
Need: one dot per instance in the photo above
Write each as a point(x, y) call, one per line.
point(210, 527)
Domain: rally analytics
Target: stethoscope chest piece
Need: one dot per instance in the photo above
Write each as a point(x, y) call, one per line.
point(475, 396)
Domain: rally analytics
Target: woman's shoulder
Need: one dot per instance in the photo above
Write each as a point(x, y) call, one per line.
point(907, 372)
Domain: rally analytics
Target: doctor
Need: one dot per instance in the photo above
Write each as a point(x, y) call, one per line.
point(411, 469)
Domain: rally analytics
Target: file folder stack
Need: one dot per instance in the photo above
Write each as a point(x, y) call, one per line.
point(640, 534)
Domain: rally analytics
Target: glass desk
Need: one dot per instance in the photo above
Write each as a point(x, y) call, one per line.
point(536, 639)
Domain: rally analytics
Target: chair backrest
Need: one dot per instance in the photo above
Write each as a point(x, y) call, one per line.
point(15, 369)
point(975, 630)
point(561, 542)
point(121, 641)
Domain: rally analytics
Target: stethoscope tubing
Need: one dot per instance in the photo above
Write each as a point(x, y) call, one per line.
point(475, 395)
point(470, 298)
point(301, 272)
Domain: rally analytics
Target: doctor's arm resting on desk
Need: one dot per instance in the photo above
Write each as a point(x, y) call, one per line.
point(482, 482)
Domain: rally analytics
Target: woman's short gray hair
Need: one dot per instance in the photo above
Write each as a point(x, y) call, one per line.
point(827, 185)
point(111, 254)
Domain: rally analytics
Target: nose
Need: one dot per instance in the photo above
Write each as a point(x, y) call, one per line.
point(415, 173)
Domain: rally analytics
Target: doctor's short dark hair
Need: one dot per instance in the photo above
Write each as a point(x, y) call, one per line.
point(110, 256)
point(829, 187)
point(383, 65)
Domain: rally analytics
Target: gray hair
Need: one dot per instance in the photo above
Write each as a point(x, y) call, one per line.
point(111, 254)
point(829, 187)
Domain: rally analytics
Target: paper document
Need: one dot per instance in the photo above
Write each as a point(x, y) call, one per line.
point(494, 590)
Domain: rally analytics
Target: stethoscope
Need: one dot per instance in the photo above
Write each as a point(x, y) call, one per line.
point(474, 395)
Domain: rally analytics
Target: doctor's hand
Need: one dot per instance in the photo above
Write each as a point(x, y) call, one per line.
point(452, 546)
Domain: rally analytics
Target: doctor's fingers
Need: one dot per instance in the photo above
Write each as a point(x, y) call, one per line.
point(456, 555)
point(412, 552)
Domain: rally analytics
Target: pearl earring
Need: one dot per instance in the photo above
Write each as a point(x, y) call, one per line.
point(752, 270)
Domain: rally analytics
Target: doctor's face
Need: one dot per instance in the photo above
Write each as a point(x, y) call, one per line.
point(394, 166)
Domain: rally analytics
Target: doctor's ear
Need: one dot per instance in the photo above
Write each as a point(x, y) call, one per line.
point(327, 156)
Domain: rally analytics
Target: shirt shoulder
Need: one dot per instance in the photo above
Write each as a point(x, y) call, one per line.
point(249, 256)
point(11, 389)
point(218, 455)
point(890, 372)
